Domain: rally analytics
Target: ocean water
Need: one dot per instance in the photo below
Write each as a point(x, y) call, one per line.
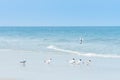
point(97, 41)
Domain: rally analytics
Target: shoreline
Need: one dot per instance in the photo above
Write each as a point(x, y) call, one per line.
point(99, 68)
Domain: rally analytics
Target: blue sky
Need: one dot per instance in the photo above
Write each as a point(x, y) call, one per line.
point(59, 12)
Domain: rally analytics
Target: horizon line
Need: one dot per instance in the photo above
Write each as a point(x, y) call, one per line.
point(56, 26)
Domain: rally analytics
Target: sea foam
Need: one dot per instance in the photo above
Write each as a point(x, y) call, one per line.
point(83, 53)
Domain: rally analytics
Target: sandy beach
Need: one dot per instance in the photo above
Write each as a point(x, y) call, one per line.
point(58, 69)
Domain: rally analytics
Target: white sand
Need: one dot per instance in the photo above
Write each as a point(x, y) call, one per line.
point(7, 79)
point(59, 69)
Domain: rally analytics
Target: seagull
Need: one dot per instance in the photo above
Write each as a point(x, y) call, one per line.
point(78, 61)
point(88, 62)
point(23, 62)
point(48, 61)
point(72, 61)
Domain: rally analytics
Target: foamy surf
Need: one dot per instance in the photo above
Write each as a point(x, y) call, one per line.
point(83, 53)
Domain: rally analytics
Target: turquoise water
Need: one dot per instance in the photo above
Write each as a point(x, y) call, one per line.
point(98, 40)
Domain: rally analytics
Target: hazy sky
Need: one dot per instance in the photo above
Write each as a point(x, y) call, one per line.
point(59, 12)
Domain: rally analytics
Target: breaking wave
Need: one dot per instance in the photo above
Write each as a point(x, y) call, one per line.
point(83, 53)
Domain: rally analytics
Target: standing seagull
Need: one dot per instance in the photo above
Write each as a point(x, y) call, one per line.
point(78, 61)
point(23, 62)
point(72, 61)
point(88, 62)
point(48, 61)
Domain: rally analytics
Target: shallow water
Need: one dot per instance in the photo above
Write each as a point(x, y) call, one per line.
point(96, 40)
